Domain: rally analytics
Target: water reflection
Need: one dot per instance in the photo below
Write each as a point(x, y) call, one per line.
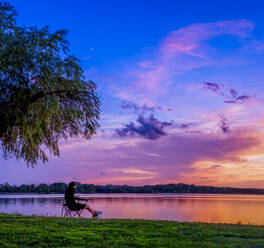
point(179, 207)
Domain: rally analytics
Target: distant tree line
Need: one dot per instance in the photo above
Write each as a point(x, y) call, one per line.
point(91, 188)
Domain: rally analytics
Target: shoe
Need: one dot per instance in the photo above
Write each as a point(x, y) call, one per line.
point(98, 214)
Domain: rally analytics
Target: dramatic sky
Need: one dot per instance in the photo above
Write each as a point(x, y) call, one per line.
point(182, 91)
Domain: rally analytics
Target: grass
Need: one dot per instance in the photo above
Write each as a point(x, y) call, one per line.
point(35, 231)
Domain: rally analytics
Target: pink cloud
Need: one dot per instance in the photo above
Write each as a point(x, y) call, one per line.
point(171, 159)
point(189, 40)
point(181, 50)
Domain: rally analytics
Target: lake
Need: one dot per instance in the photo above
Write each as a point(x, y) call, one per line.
point(212, 208)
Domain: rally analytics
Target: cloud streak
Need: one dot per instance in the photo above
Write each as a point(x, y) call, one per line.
point(239, 99)
point(136, 108)
point(230, 95)
point(189, 40)
point(212, 86)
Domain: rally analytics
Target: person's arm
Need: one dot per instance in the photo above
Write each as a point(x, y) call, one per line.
point(80, 199)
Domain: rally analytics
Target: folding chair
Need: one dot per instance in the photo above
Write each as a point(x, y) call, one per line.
point(67, 212)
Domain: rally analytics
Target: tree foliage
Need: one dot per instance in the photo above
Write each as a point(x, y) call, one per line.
point(44, 96)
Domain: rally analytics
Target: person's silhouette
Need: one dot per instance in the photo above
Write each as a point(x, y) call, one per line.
point(71, 201)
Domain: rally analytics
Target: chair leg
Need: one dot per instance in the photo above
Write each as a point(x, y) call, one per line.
point(80, 213)
point(67, 212)
point(76, 213)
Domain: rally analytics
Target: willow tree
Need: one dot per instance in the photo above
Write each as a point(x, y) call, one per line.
point(44, 96)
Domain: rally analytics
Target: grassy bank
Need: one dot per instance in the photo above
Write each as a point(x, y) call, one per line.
point(30, 231)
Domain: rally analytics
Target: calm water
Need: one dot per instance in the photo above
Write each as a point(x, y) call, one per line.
point(179, 207)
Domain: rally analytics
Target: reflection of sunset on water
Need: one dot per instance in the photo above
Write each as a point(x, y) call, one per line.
point(178, 207)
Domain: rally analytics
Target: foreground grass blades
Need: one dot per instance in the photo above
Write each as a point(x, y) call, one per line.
point(34, 231)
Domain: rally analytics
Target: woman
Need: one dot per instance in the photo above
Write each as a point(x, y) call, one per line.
point(72, 204)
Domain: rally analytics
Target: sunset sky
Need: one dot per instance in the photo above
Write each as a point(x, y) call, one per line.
point(182, 91)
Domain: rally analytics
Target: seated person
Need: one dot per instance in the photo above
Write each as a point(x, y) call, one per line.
point(72, 204)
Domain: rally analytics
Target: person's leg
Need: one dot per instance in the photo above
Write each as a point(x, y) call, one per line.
point(90, 209)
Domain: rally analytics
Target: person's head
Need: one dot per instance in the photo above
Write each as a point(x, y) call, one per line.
point(72, 185)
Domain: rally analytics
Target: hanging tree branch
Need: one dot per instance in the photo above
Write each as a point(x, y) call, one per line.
point(44, 95)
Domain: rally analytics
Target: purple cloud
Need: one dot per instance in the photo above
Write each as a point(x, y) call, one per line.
point(231, 96)
point(233, 92)
point(130, 105)
point(184, 125)
point(230, 101)
point(240, 99)
point(148, 128)
point(140, 109)
point(212, 86)
point(224, 125)
point(102, 173)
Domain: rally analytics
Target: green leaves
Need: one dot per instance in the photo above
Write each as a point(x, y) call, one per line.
point(7, 16)
point(44, 95)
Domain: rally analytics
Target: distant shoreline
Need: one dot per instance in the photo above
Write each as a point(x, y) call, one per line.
point(115, 193)
point(60, 187)
point(21, 193)
point(154, 193)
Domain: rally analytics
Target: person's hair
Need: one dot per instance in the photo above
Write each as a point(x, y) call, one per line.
point(71, 185)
